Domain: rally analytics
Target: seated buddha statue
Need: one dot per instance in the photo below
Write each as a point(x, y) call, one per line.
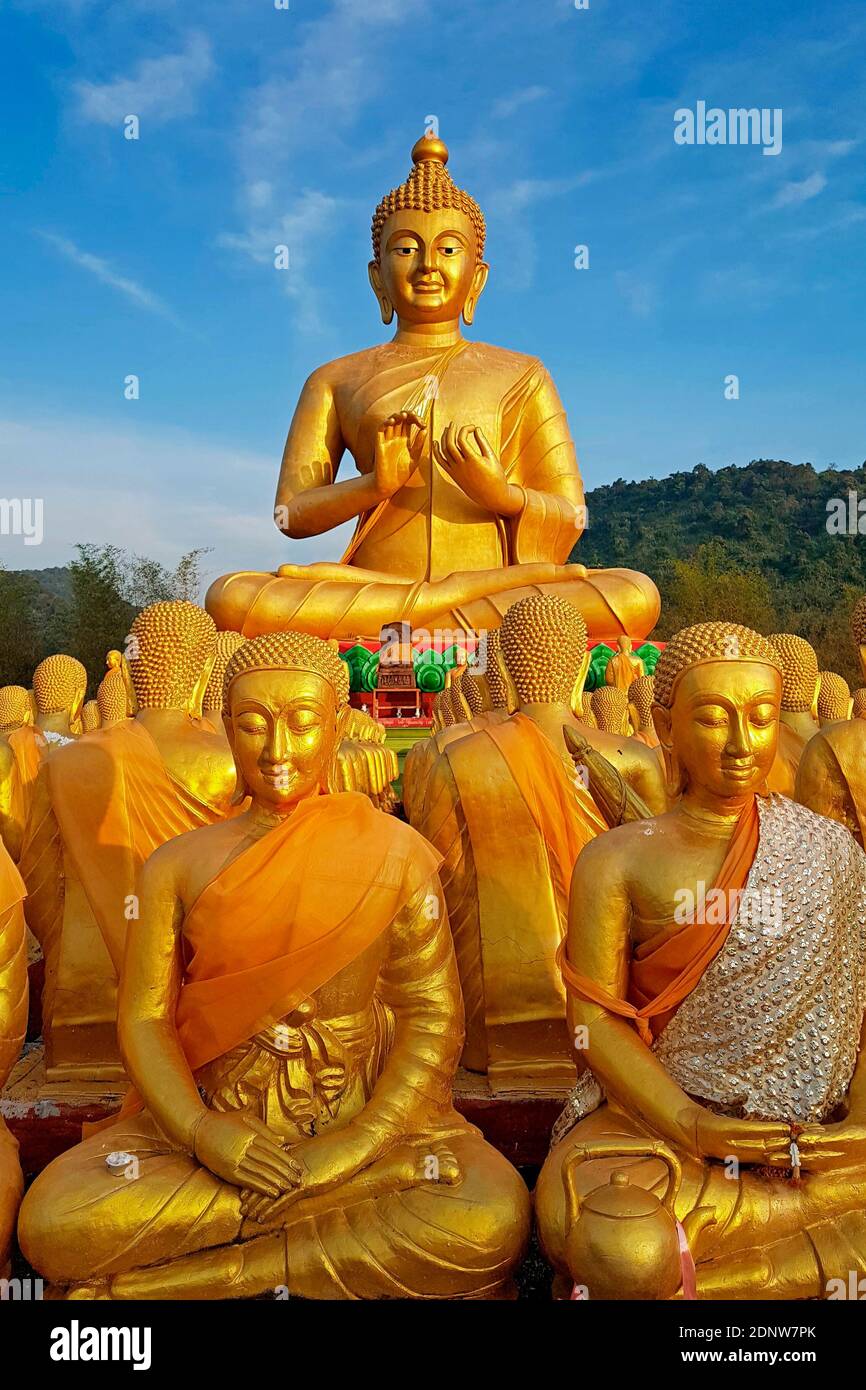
point(59, 687)
point(468, 494)
point(640, 702)
point(100, 807)
point(718, 985)
point(464, 707)
point(503, 807)
point(115, 696)
point(610, 707)
point(13, 1026)
point(291, 1019)
point(831, 772)
point(16, 708)
point(834, 698)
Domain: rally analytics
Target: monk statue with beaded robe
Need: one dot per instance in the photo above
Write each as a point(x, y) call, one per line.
point(717, 988)
point(468, 495)
point(291, 1019)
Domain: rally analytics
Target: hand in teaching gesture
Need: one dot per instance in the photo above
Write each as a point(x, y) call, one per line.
point(466, 455)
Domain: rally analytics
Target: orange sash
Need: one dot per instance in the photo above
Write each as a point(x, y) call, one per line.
point(28, 746)
point(289, 913)
point(115, 804)
point(565, 813)
point(666, 968)
point(12, 888)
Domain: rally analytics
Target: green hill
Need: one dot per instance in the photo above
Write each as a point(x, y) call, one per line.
point(750, 544)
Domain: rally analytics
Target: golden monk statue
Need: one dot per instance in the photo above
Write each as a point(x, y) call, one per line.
point(59, 687)
point(115, 697)
point(624, 666)
point(640, 702)
point(716, 967)
point(464, 707)
point(468, 494)
point(800, 684)
point(831, 774)
point(503, 807)
point(89, 716)
point(834, 698)
point(16, 708)
point(291, 1019)
point(101, 806)
point(610, 707)
point(13, 1026)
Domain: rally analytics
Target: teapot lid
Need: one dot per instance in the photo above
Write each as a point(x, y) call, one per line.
point(621, 1198)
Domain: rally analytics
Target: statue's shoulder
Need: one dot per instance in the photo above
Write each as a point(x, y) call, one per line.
point(503, 360)
point(353, 367)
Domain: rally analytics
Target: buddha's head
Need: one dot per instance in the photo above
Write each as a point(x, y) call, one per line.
point(640, 699)
point(474, 693)
point(16, 708)
point(442, 715)
point(497, 685)
point(285, 705)
point(428, 262)
point(112, 698)
point(834, 697)
point(858, 631)
point(718, 691)
point(858, 703)
point(587, 714)
point(227, 644)
point(171, 649)
point(625, 644)
point(543, 649)
point(610, 707)
point(89, 716)
point(800, 678)
point(59, 687)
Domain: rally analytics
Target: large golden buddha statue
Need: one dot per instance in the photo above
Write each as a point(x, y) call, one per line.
point(100, 807)
point(468, 495)
point(291, 1019)
point(503, 807)
point(717, 980)
point(13, 1025)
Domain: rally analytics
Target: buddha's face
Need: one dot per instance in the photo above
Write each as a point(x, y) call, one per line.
point(428, 270)
point(283, 730)
point(723, 727)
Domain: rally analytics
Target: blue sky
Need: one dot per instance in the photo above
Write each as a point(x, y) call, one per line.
point(261, 126)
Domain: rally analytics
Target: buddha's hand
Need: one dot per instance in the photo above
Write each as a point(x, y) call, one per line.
point(466, 455)
point(397, 451)
point(824, 1147)
point(747, 1141)
point(241, 1150)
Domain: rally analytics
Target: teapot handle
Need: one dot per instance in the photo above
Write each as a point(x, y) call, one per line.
point(623, 1147)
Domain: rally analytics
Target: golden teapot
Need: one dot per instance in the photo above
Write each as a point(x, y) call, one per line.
point(620, 1236)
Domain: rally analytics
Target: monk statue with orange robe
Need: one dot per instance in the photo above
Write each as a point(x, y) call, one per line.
point(468, 495)
point(831, 772)
point(13, 1026)
point(291, 1019)
point(716, 968)
point(101, 806)
point(624, 666)
point(505, 810)
point(59, 687)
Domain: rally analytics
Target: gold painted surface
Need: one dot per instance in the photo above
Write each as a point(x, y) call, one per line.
point(752, 1231)
point(321, 1154)
point(467, 495)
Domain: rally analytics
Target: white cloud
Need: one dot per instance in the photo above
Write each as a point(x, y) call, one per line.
point(95, 265)
point(527, 96)
point(160, 89)
point(157, 492)
point(799, 191)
